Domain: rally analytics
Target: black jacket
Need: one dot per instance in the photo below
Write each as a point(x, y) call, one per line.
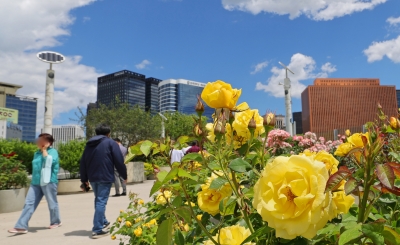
point(100, 156)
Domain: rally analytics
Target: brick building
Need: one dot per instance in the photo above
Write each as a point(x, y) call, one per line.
point(344, 103)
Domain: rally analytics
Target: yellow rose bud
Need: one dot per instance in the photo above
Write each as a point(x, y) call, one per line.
point(137, 220)
point(252, 124)
point(347, 133)
point(186, 227)
point(197, 130)
point(199, 106)
point(232, 235)
point(113, 237)
point(393, 122)
point(199, 216)
point(119, 220)
point(138, 232)
point(269, 119)
point(141, 202)
point(128, 223)
point(121, 211)
point(191, 204)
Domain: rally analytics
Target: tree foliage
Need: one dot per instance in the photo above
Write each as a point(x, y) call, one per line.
point(133, 124)
point(70, 155)
point(24, 151)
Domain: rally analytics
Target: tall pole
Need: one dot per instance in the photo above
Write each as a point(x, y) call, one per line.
point(48, 112)
point(288, 105)
point(162, 129)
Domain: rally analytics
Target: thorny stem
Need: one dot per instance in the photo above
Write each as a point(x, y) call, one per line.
point(367, 186)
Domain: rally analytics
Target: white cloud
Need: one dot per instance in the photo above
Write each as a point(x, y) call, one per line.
point(390, 48)
point(259, 67)
point(28, 26)
point(393, 21)
point(313, 9)
point(86, 19)
point(304, 68)
point(143, 64)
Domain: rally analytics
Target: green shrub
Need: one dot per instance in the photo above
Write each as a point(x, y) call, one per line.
point(13, 173)
point(70, 155)
point(24, 151)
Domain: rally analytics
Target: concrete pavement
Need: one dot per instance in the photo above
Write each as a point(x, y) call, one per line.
point(76, 215)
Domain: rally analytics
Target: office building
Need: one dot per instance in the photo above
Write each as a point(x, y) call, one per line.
point(398, 98)
point(129, 87)
point(181, 95)
point(280, 122)
point(10, 130)
point(152, 95)
point(65, 133)
point(26, 107)
point(342, 103)
point(299, 122)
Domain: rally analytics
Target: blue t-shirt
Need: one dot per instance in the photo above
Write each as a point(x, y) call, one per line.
point(38, 162)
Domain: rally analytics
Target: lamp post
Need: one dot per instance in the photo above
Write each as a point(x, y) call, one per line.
point(162, 125)
point(288, 100)
point(52, 58)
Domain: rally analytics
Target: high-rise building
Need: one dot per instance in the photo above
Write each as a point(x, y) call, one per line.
point(398, 98)
point(299, 122)
point(26, 106)
point(64, 133)
point(152, 94)
point(343, 103)
point(129, 87)
point(181, 95)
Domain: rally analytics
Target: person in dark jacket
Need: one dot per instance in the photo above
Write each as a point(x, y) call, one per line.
point(97, 164)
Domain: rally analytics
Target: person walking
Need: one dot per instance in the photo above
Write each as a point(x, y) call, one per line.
point(194, 148)
point(97, 164)
point(118, 178)
point(45, 166)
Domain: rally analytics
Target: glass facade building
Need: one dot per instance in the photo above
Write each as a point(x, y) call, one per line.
point(129, 87)
point(27, 112)
point(398, 98)
point(181, 95)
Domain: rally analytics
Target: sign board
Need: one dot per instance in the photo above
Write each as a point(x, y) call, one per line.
point(9, 115)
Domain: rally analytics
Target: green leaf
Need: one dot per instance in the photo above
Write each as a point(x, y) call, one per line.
point(395, 155)
point(391, 236)
point(156, 187)
point(239, 165)
point(146, 147)
point(334, 181)
point(350, 186)
point(184, 212)
point(218, 183)
point(258, 233)
point(179, 239)
point(161, 175)
point(374, 232)
point(164, 232)
point(192, 157)
point(177, 202)
point(172, 174)
point(183, 139)
point(351, 236)
point(386, 175)
point(183, 173)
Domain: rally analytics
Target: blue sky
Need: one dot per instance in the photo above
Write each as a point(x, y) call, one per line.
point(238, 41)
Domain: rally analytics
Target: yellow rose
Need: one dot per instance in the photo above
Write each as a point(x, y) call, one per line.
point(341, 202)
point(347, 132)
point(121, 211)
point(113, 237)
point(186, 227)
point(153, 222)
point(210, 129)
point(209, 199)
point(232, 235)
point(128, 224)
point(242, 119)
point(137, 220)
point(219, 94)
point(119, 220)
point(331, 163)
point(199, 216)
point(141, 202)
point(191, 204)
point(343, 149)
point(290, 196)
point(160, 199)
point(138, 232)
point(356, 139)
point(308, 153)
point(393, 122)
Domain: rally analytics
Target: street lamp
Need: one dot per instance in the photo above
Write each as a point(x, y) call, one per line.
point(52, 58)
point(162, 125)
point(288, 100)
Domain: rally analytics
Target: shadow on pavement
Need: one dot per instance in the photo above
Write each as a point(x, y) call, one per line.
point(36, 229)
point(78, 233)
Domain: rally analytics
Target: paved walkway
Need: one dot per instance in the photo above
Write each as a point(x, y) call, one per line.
point(76, 214)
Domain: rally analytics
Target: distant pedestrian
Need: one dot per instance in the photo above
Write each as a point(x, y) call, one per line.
point(194, 148)
point(98, 160)
point(44, 182)
point(118, 178)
